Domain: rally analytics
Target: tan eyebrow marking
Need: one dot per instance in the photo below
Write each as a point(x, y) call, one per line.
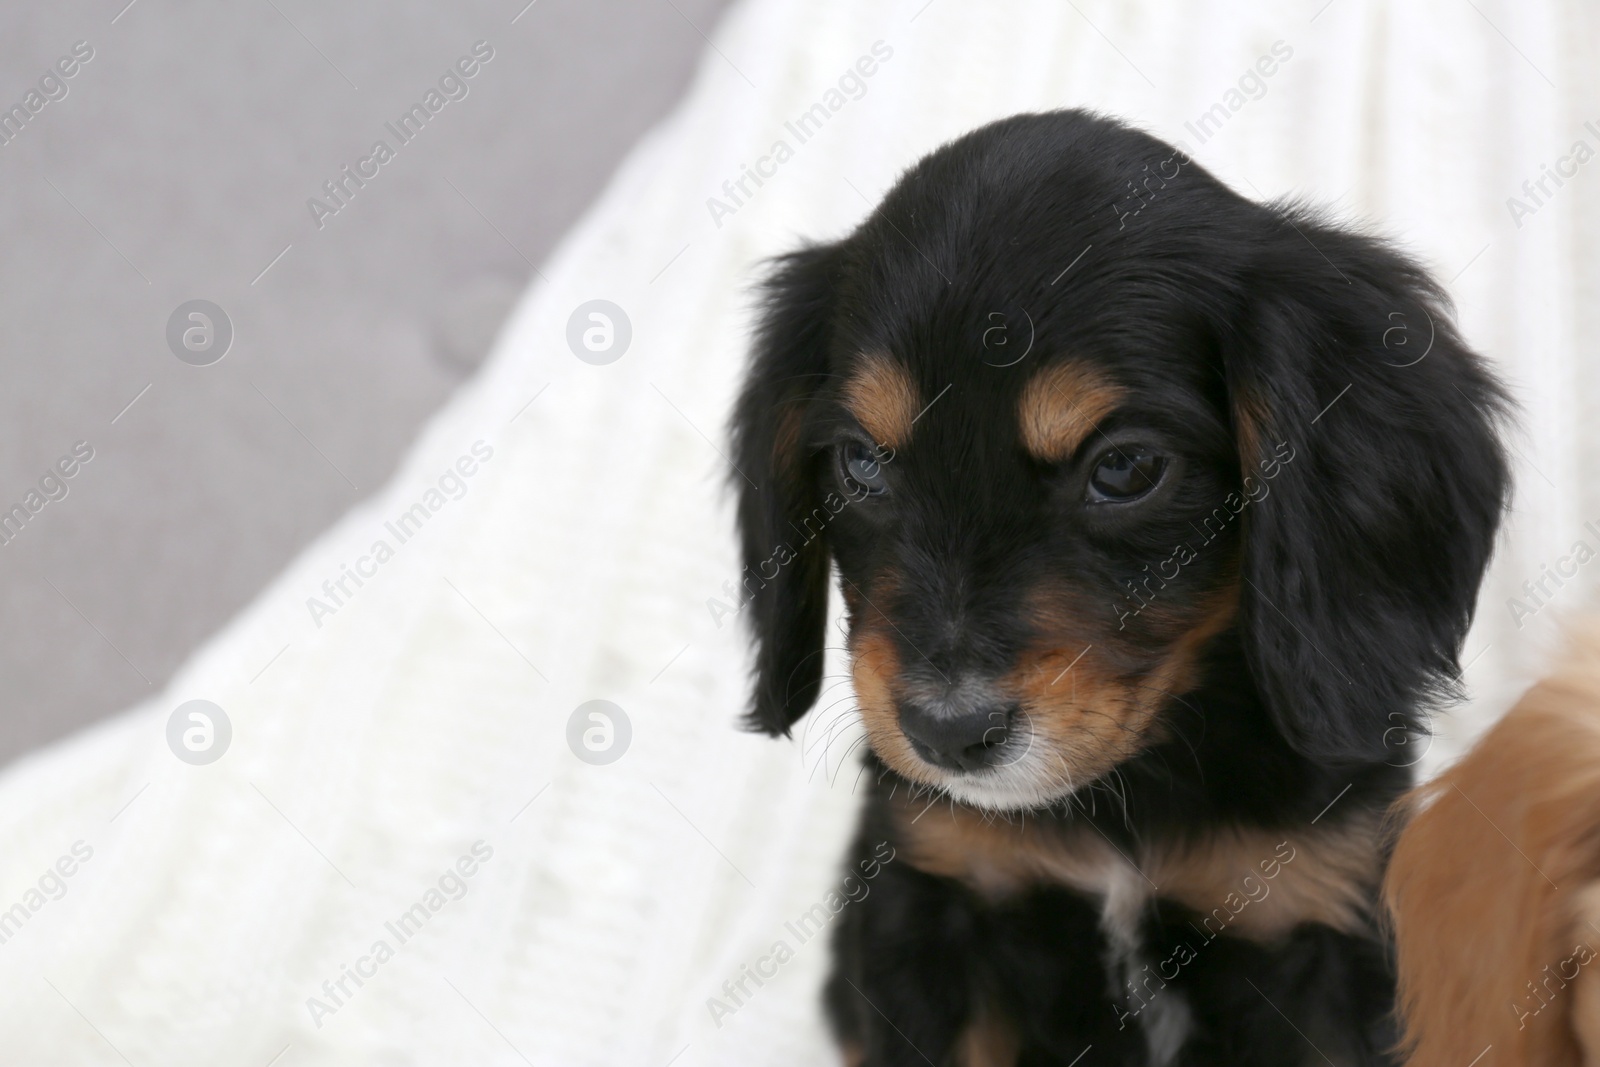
point(1061, 405)
point(883, 399)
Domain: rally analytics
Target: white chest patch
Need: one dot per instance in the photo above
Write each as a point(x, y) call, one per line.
point(1144, 998)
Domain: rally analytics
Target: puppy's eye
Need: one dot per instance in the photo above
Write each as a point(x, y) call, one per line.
point(1125, 474)
point(861, 470)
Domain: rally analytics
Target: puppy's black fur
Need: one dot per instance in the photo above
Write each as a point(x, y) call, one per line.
point(1260, 623)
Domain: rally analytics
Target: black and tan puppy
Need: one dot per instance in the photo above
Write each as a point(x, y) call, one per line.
point(1159, 517)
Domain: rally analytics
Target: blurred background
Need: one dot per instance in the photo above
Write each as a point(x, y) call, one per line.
point(364, 516)
point(178, 166)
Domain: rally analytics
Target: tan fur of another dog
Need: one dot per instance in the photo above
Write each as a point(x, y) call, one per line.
point(1497, 876)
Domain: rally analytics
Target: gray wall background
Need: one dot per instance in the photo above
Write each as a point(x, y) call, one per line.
point(177, 167)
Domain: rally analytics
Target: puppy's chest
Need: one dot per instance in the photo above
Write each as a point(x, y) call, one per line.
point(1247, 882)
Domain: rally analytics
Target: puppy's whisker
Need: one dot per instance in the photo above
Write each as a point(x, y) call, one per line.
point(827, 727)
point(1066, 772)
point(1184, 702)
point(856, 785)
point(822, 756)
point(847, 698)
point(843, 730)
point(857, 743)
point(847, 715)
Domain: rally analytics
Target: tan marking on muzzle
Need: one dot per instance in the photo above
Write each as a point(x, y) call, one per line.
point(1088, 716)
point(874, 667)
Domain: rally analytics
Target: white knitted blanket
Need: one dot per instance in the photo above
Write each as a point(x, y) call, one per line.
point(411, 724)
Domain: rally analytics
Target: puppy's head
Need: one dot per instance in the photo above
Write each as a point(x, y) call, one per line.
point(1064, 410)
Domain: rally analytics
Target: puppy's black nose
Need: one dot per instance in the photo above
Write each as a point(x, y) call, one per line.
point(958, 741)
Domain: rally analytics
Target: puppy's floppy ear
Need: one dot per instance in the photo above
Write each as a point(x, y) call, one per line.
point(785, 577)
point(1372, 427)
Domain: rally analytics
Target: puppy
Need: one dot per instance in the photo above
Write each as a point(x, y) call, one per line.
point(1159, 517)
point(1495, 887)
